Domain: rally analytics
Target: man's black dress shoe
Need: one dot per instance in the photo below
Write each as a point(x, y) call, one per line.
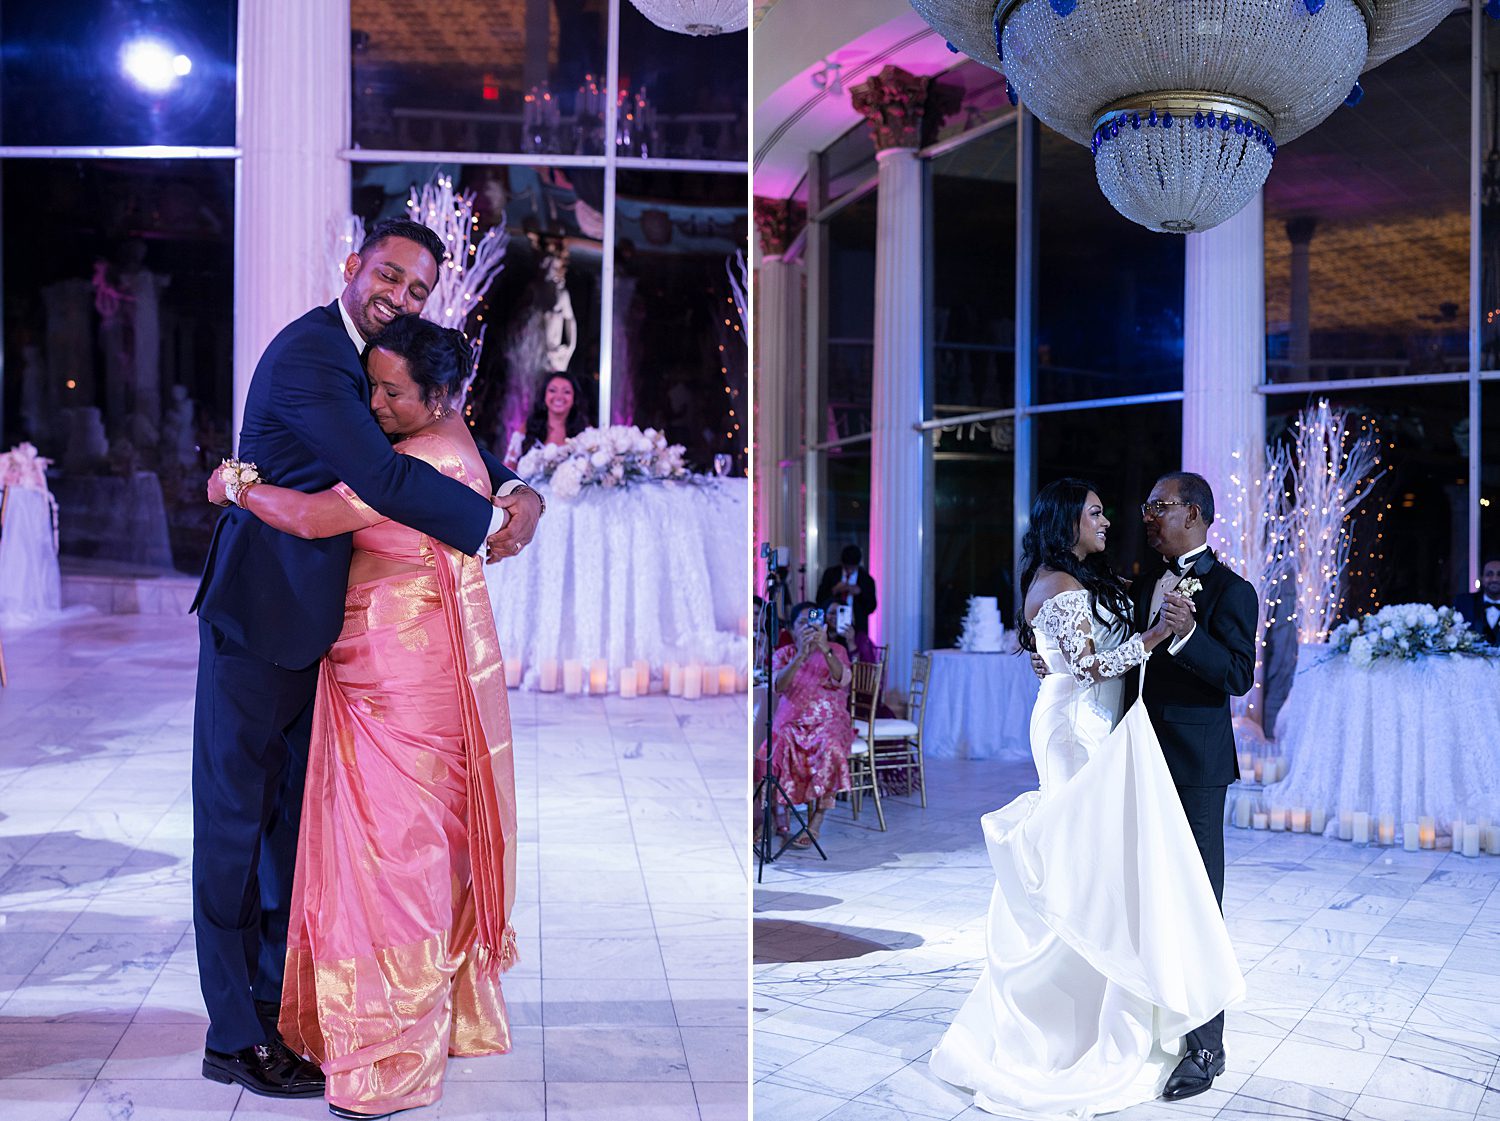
point(267, 1068)
point(340, 1111)
point(1195, 1074)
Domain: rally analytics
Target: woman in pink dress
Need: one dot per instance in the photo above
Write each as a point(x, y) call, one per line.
point(406, 862)
point(811, 731)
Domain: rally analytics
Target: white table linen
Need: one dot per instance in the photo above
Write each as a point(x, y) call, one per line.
point(979, 706)
point(654, 572)
point(30, 582)
point(1414, 739)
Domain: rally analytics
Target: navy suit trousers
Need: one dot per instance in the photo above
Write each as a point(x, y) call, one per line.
point(250, 736)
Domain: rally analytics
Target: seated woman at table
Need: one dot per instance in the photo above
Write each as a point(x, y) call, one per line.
point(557, 414)
point(811, 732)
point(406, 857)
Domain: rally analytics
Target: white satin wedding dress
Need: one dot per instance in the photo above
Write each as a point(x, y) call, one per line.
point(1104, 944)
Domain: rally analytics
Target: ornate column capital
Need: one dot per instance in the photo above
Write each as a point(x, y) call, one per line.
point(899, 105)
point(778, 222)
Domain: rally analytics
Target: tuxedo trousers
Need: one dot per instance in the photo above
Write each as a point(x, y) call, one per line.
point(1204, 807)
point(252, 721)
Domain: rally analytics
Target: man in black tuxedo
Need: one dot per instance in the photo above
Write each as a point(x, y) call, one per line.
point(269, 606)
point(1188, 685)
point(1482, 608)
point(847, 583)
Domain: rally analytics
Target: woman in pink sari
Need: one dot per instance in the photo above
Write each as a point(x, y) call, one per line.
point(406, 862)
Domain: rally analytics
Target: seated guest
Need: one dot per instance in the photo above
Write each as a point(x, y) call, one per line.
point(557, 414)
point(850, 585)
point(811, 731)
point(1482, 608)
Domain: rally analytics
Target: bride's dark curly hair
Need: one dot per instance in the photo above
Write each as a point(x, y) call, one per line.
point(1049, 541)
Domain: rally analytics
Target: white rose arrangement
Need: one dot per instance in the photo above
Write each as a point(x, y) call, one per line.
point(1406, 631)
point(618, 456)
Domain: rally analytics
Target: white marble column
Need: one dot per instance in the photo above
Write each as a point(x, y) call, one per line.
point(1224, 348)
point(778, 338)
point(294, 188)
point(896, 478)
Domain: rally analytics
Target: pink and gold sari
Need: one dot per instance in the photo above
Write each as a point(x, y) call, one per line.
point(407, 857)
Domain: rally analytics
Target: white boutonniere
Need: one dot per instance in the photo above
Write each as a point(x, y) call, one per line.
point(1189, 586)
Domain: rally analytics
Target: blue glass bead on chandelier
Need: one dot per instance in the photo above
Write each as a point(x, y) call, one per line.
point(1357, 94)
point(1010, 92)
point(1064, 7)
point(1251, 131)
point(999, 50)
point(951, 48)
point(1492, 8)
point(1314, 6)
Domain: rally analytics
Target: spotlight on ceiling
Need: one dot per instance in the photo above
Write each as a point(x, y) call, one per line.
point(153, 65)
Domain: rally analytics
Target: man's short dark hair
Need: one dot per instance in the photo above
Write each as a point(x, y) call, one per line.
point(411, 231)
point(1193, 488)
point(851, 556)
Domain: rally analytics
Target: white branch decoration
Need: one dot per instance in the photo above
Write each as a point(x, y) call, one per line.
point(736, 268)
point(1330, 471)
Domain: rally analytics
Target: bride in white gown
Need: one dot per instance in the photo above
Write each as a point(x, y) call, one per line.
point(1104, 943)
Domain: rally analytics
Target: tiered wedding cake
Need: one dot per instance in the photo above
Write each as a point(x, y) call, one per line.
point(982, 633)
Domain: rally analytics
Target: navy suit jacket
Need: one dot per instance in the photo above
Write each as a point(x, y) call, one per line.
point(1187, 693)
point(307, 426)
point(1471, 606)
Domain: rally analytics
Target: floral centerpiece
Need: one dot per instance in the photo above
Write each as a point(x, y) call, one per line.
point(1406, 631)
point(617, 456)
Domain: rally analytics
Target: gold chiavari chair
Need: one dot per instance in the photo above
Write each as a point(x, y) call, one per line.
point(864, 697)
point(896, 744)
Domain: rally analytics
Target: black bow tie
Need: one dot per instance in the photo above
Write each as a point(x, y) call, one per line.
point(1178, 567)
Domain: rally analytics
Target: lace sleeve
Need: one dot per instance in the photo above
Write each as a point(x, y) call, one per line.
point(1065, 618)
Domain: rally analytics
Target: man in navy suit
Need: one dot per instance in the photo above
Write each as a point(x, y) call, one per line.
point(1482, 608)
point(269, 606)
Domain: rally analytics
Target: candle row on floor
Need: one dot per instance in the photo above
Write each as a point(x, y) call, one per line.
point(573, 676)
point(1468, 838)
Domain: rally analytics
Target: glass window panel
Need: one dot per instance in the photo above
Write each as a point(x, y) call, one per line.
point(679, 346)
point(108, 74)
point(1367, 226)
point(1110, 292)
point(480, 75)
point(846, 519)
point(119, 330)
point(974, 523)
point(1410, 542)
point(541, 312)
point(1489, 460)
point(1124, 450)
point(682, 96)
point(848, 161)
point(849, 372)
point(1489, 198)
point(973, 275)
point(980, 95)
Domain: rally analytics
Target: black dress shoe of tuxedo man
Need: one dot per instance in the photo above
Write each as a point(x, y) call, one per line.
point(269, 1069)
point(353, 1115)
point(1195, 1074)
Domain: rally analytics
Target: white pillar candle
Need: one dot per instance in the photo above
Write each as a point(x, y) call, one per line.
point(1361, 828)
point(1242, 813)
point(1258, 821)
point(744, 624)
point(1492, 840)
point(599, 677)
point(710, 681)
point(515, 672)
point(628, 681)
point(547, 676)
point(726, 679)
point(1411, 836)
point(692, 681)
point(572, 676)
point(1299, 820)
point(1319, 820)
point(642, 677)
point(742, 680)
point(1278, 821)
point(1346, 825)
point(1260, 770)
point(1247, 764)
point(1427, 832)
point(1387, 829)
point(672, 675)
point(1471, 839)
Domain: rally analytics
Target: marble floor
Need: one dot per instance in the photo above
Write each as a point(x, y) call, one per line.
point(1373, 976)
point(629, 1002)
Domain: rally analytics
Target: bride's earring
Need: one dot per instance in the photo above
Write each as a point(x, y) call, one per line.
point(438, 412)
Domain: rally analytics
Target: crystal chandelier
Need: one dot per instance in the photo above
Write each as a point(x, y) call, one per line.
point(1182, 102)
point(696, 17)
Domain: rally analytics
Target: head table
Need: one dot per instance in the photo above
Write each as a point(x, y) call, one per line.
point(979, 706)
point(655, 573)
point(1406, 740)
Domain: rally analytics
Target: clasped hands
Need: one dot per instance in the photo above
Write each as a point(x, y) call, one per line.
point(1176, 611)
point(524, 507)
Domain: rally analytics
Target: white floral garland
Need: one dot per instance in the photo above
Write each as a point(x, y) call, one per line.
point(1407, 632)
point(617, 456)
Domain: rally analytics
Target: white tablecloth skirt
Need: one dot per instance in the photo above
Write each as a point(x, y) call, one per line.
point(654, 572)
point(979, 706)
point(1412, 739)
point(30, 583)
